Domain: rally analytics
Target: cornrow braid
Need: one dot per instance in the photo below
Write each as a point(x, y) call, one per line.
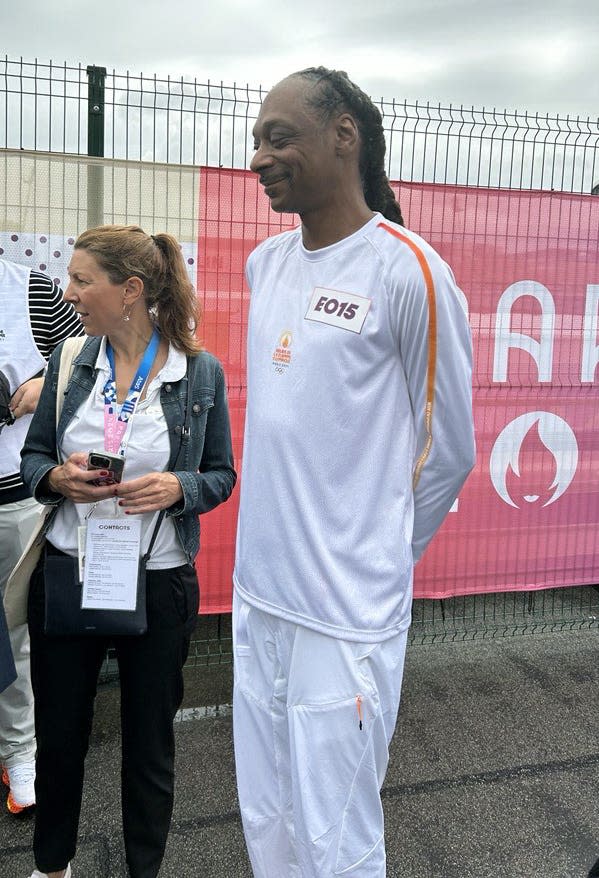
point(337, 93)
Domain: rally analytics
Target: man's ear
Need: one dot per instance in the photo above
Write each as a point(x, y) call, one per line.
point(347, 135)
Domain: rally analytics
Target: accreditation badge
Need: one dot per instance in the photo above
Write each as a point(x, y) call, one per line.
point(110, 569)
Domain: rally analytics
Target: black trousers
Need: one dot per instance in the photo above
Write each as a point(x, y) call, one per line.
point(64, 672)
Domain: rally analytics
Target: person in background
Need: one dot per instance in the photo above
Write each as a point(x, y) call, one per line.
point(8, 673)
point(139, 309)
point(34, 320)
point(358, 438)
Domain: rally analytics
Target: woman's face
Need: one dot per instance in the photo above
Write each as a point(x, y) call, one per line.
point(97, 301)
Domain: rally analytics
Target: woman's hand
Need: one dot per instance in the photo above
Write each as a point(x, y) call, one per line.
point(149, 493)
point(73, 480)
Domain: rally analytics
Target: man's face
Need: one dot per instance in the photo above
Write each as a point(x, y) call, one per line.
point(295, 150)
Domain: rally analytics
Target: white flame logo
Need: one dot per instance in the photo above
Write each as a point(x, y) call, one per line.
point(557, 437)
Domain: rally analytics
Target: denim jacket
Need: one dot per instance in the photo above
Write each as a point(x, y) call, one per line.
point(202, 452)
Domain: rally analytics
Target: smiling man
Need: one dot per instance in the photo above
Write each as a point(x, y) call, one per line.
point(358, 438)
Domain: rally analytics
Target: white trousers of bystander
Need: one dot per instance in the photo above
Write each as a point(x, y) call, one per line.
point(17, 733)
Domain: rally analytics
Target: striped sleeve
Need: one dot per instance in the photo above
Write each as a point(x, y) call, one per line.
point(52, 320)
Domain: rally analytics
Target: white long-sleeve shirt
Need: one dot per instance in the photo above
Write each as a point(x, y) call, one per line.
point(358, 431)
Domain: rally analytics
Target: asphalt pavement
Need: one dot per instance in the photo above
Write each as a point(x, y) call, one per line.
point(494, 770)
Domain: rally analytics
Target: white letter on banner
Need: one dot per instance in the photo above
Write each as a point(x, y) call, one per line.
point(541, 352)
point(590, 350)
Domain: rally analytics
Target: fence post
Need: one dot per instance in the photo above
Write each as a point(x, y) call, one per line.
point(95, 145)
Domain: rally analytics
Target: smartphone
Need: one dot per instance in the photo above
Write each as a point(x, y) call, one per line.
point(114, 463)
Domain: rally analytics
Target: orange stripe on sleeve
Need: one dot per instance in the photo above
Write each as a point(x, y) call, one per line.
point(432, 345)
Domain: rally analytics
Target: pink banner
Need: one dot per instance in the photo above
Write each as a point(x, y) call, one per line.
point(528, 265)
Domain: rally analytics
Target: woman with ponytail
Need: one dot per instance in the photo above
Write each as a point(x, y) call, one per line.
point(153, 404)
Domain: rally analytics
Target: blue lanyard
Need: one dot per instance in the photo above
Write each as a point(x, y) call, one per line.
point(115, 420)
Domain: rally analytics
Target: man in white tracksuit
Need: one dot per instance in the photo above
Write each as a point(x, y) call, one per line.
point(358, 439)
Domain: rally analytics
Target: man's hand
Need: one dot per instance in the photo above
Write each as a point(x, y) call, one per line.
point(25, 398)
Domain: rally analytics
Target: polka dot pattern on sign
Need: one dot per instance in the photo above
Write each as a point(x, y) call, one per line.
point(52, 253)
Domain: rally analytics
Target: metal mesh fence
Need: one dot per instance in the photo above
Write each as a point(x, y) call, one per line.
point(45, 106)
point(54, 108)
point(453, 620)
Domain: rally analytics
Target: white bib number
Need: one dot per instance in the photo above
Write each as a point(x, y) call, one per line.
point(336, 308)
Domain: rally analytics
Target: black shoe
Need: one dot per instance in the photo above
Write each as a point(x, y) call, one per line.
point(594, 873)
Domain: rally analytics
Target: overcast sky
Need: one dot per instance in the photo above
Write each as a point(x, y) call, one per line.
point(535, 55)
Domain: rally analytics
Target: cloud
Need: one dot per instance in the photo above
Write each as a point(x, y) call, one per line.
point(538, 56)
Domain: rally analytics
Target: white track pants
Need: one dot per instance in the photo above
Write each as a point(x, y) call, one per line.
point(308, 775)
point(17, 734)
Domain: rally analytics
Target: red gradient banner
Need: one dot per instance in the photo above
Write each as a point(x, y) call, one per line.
point(528, 265)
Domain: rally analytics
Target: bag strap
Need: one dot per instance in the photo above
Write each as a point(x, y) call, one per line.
point(70, 348)
point(183, 451)
point(159, 521)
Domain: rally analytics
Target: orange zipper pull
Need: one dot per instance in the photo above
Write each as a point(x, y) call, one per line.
point(359, 706)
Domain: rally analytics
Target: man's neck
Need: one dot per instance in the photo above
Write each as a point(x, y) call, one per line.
point(325, 228)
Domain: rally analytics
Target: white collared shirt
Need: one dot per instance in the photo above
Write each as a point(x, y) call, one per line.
point(148, 450)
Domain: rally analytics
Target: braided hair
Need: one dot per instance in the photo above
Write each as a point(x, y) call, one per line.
point(337, 94)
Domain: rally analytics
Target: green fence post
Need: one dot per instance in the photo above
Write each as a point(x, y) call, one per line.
point(95, 145)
